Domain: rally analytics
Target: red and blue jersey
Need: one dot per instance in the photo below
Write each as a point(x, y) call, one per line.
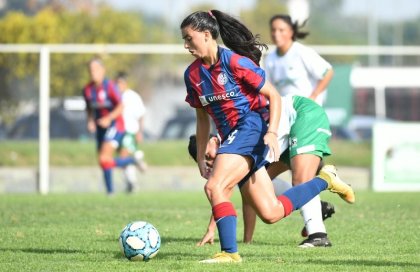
point(227, 90)
point(102, 100)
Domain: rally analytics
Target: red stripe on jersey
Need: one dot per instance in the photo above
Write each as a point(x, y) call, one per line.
point(196, 81)
point(249, 92)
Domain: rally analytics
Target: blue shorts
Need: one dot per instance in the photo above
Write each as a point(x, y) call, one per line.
point(247, 139)
point(110, 134)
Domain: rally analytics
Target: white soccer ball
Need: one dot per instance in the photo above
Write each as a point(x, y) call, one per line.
point(139, 241)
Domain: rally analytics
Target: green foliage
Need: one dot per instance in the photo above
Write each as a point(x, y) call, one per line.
point(68, 71)
point(257, 19)
point(79, 232)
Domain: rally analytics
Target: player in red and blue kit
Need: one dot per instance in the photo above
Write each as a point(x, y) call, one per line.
point(230, 87)
point(104, 114)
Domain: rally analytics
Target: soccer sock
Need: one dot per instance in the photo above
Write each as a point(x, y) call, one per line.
point(312, 216)
point(225, 216)
point(130, 174)
point(122, 162)
point(296, 197)
point(108, 180)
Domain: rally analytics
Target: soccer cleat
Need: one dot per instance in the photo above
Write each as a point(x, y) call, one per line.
point(336, 185)
point(224, 257)
point(315, 242)
point(327, 211)
point(141, 164)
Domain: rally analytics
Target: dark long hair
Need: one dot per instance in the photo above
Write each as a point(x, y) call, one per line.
point(297, 34)
point(235, 35)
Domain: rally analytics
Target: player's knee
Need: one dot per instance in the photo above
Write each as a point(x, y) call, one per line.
point(269, 218)
point(105, 161)
point(212, 188)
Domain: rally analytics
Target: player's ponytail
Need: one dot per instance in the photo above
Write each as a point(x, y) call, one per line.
point(238, 37)
point(235, 35)
point(297, 34)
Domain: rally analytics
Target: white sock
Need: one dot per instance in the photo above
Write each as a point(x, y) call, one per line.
point(130, 174)
point(312, 216)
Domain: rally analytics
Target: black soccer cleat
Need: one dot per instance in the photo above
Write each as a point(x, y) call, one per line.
point(315, 242)
point(327, 211)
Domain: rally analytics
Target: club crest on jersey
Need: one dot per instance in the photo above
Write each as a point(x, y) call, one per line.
point(222, 78)
point(102, 95)
point(293, 142)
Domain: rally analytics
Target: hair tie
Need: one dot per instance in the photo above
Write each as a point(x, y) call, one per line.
point(211, 14)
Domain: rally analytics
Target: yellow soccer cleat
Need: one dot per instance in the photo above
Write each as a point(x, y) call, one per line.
point(336, 185)
point(224, 257)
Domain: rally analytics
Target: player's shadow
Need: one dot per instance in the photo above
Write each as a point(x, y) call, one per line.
point(44, 250)
point(372, 263)
point(195, 240)
point(170, 239)
point(166, 255)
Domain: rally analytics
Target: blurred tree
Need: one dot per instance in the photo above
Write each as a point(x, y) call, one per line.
point(257, 19)
point(68, 71)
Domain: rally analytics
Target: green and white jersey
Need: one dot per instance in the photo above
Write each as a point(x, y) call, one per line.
point(134, 109)
point(297, 72)
point(303, 129)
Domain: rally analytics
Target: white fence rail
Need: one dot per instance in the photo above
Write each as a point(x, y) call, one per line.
point(44, 84)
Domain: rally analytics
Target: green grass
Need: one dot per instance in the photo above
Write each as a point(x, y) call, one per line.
point(160, 153)
point(83, 153)
point(79, 233)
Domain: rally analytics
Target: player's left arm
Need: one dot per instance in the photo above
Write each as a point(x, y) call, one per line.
point(322, 84)
point(115, 97)
point(139, 135)
point(246, 71)
point(270, 137)
point(318, 68)
point(114, 114)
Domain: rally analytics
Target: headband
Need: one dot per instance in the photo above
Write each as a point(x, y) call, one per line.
point(211, 14)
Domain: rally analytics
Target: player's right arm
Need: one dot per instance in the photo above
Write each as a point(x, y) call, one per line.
point(91, 125)
point(203, 132)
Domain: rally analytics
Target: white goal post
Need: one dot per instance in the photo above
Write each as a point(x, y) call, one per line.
point(44, 83)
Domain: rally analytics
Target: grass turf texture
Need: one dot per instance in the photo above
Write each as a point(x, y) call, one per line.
point(79, 233)
point(79, 153)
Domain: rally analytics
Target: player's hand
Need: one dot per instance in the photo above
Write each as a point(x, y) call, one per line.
point(91, 127)
point(270, 139)
point(208, 238)
point(104, 122)
point(204, 169)
point(313, 97)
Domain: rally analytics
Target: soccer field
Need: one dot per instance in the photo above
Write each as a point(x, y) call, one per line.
point(79, 232)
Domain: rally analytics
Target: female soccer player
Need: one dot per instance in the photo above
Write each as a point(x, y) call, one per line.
point(104, 109)
point(133, 114)
point(294, 68)
point(230, 87)
point(301, 119)
point(298, 70)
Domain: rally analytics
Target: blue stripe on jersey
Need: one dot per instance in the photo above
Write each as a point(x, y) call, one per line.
point(248, 64)
point(94, 100)
point(208, 89)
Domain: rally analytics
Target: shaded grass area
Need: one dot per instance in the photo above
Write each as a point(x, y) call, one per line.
point(159, 153)
point(79, 233)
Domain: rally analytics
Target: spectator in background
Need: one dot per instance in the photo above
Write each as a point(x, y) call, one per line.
point(104, 117)
point(298, 70)
point(294, 68)
point(134, 111)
